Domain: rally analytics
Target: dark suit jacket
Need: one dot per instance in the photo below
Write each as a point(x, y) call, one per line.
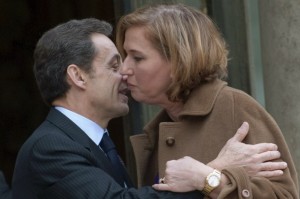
point(5, 192)
point(60, 161)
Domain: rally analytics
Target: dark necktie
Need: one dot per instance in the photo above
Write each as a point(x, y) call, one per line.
point(109, 148)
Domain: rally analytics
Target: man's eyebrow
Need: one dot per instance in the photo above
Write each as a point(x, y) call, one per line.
point(115, 57)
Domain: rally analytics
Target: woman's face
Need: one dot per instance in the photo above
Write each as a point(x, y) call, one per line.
point(148, 72)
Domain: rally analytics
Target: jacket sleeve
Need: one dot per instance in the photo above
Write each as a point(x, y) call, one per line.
point(5, 192)
point(263, 129)
point(64, 169)
point(96, 184)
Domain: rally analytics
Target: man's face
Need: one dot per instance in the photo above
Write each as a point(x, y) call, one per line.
point(106, 90)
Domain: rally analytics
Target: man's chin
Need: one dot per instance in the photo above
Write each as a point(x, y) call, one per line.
point(123, 98)
point(124, 110)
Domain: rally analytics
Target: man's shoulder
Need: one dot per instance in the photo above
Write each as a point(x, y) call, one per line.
point(45, 133)
point(45, 130)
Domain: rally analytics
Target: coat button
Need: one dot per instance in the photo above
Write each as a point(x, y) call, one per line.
point(170, 141)
point(246, 193)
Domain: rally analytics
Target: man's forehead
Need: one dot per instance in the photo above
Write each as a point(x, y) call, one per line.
point(107, 55)
point(102, 41)
point(105, 48)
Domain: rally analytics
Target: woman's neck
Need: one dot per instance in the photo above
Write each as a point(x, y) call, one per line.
point(173, 109)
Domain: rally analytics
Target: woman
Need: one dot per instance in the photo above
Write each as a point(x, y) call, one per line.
point(174, 57)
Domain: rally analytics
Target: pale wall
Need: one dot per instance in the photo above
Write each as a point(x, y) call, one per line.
point(280, 40)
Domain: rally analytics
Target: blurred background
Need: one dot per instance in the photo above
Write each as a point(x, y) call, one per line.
point(263, 39)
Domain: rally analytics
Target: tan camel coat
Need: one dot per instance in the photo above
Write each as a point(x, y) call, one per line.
point(210, 117)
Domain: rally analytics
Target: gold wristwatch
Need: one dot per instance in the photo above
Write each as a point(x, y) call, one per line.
point(211, 182)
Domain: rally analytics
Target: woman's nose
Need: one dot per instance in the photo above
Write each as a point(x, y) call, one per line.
point(124, 78)
point(125, 68)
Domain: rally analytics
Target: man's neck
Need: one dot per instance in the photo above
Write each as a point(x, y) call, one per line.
point(81, 109)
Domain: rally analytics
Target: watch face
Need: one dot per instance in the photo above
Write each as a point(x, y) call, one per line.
point(214, 181)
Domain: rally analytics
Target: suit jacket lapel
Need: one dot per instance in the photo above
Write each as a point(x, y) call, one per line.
point(75, 133)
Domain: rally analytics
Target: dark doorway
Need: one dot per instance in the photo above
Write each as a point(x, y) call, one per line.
point(21, 108)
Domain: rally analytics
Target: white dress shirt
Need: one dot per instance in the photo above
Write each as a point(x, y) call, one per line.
point(90, 128)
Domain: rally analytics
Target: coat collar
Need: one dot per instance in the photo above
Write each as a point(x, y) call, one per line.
point(202, 99)
point(199, 103)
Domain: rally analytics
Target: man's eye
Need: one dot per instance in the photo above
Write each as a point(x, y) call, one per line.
point(116, 67)
point(137, 59)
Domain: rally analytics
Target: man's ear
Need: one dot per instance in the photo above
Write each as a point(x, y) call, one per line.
point(76, 76)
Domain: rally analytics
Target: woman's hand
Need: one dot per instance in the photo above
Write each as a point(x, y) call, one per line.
point(183, 175)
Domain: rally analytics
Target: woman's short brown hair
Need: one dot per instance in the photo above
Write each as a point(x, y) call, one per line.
point(184, 36)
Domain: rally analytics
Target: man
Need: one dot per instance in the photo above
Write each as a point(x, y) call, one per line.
point(76, 69)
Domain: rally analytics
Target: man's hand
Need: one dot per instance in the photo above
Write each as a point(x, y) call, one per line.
point(256, 159)
point(188, 174)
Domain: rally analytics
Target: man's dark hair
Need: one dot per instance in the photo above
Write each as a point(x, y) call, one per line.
point(65, 44)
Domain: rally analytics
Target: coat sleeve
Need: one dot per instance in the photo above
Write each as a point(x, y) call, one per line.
point(263, 129)
point(64, 169)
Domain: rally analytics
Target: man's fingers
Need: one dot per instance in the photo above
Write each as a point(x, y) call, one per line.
point(161, 187)
point(265, 147)
point(272, 166)
point(268, 169)
point(269, 174)
point(241, 132)
point(266, 156)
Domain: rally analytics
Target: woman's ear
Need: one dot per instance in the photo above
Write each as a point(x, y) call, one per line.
point(76, 76)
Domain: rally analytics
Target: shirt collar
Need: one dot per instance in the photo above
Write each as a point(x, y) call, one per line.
point(91, 129)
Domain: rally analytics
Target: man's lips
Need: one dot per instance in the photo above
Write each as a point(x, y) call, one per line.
point(130, 86)
point(123, 94)
point(123, 91)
